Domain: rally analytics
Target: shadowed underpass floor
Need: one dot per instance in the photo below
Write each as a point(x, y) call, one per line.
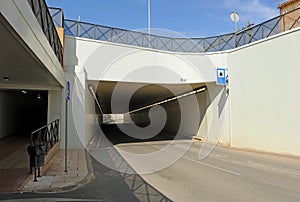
point(14, 163)
point(115, 136)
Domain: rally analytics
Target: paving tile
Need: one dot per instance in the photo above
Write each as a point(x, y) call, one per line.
point(61, 184)
point(73, 179)
point(55, 177)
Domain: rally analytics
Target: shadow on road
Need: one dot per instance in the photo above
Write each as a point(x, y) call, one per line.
point(109, 184)
point(116, 136)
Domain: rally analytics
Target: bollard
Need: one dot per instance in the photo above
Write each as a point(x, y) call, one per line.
point(32, 154)
point(37, 159)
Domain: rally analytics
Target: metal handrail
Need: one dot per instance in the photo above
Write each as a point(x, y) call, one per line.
point(223, 42)
point(43, 16)
point(47, 135)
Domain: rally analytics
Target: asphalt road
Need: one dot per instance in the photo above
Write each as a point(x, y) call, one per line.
point(228, 175)
point(225, 175)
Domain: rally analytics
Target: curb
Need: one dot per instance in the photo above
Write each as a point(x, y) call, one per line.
point(73, 186)
point(30, 177)
point(88, 179)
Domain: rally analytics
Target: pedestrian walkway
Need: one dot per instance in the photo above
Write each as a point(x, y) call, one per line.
point(55, 179)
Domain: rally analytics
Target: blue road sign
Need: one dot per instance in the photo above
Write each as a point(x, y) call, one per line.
point(221, 76)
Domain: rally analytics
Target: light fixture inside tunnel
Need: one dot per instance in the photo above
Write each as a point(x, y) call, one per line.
point(6, 78)
point(24, 92)
point(199, 90)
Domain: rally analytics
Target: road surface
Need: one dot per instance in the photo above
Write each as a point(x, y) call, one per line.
point(225, 175)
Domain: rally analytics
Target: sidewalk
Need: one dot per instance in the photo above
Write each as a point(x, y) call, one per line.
point(54, 179)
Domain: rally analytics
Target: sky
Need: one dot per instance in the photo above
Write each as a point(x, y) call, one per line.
point(190, 18)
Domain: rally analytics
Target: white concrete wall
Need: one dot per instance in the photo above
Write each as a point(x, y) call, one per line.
point(94, 60)
point(214, 126)
point(54, 105)
point(264, 85)
point(56, 110)
point(75, 114)
point(91, 119)
point(261, 111)
point(117, 62)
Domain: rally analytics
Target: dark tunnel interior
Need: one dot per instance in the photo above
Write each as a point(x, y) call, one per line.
point(22, 112)
point(145, 95)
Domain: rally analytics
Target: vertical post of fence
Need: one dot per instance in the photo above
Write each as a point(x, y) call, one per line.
point(94, 28)
point(78, 27)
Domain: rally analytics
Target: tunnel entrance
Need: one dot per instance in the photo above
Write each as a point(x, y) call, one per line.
point(21, 112)
point(140, 109)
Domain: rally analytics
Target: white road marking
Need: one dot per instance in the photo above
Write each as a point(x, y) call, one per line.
point(205, 164)
point(263, 167)
point(212, 166)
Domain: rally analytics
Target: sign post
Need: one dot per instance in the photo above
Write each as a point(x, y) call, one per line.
point(68, 90)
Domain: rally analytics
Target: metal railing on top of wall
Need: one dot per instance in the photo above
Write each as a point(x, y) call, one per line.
point(224, 42)
point(43, 16)
point(57, 16)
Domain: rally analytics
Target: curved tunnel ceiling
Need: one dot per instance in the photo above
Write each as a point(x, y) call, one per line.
point(144, 94)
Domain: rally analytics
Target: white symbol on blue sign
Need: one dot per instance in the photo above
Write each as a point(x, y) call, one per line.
point(68, 90)
point(221, 76)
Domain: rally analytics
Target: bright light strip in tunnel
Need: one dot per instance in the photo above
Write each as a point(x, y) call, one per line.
point(202, 89)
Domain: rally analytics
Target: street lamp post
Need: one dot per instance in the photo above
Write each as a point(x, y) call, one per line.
point(149, 23)
point(234, 16)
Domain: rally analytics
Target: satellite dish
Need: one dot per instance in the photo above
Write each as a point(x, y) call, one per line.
point(234, 16)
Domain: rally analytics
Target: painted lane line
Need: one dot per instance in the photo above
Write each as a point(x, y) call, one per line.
point(204, 164)
point(262, 167)
point(212, 166)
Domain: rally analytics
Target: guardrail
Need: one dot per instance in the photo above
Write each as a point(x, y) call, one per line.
point(57, 16)
point(43, 16)
point(47, 135)
point(224, 42)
